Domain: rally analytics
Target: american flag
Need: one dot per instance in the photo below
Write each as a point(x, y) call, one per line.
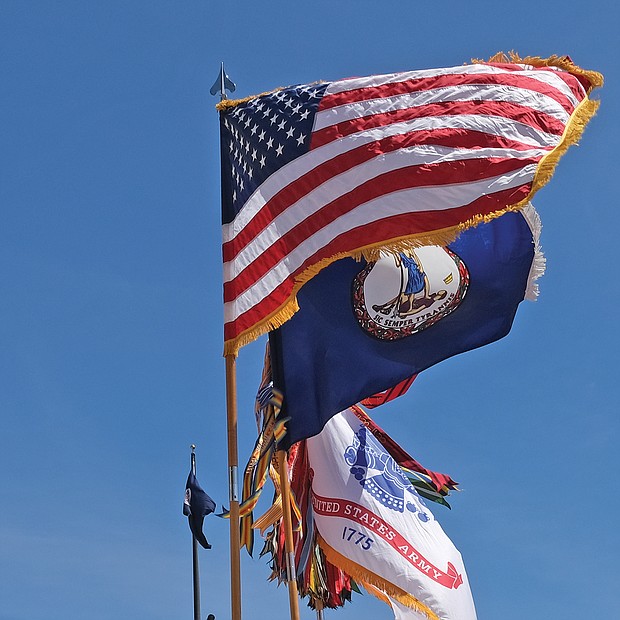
point(315, 172)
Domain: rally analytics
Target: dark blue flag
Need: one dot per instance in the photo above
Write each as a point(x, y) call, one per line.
point(363, 326)
point(196, 505)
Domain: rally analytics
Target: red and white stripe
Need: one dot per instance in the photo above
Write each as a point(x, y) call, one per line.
point(392, 156)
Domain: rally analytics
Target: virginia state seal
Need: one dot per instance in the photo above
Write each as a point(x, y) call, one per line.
point(402, 294)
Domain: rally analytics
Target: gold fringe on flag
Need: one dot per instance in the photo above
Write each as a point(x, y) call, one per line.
point(408, 600)
point(365, 576)
point(561, 62)
point(225, 104)
point(269, 518)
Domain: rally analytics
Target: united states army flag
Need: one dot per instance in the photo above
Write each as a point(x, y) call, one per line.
point(373, 524)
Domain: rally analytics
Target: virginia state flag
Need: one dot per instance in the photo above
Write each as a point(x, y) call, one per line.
point(372, 524)
point(363, 327)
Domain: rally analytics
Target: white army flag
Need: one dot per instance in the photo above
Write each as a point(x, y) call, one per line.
point(373, 524)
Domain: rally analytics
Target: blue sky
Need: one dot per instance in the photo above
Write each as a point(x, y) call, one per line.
point(111, 317)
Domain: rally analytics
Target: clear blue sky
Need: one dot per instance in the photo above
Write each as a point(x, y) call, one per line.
point(111, 317)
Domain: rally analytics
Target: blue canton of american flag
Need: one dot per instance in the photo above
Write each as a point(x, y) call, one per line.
point(263, 135)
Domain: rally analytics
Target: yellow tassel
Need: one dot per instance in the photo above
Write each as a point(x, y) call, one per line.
point(364, 575)
point(407, 600)
point(584, 112)
point(225, 104)
point(561, 62)
point(270, 517)
point(375, 592)
point(273, 321)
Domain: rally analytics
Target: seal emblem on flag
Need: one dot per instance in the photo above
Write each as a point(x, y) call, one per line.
point(402, 294)
point(381, 476)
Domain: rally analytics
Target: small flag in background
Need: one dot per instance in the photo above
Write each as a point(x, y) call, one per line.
point(196, 506)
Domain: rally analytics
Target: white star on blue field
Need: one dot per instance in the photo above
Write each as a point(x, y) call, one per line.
point(279, 114)
point(111, 308)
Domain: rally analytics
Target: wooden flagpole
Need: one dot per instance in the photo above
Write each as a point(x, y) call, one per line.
point(233, 462)
point(287, 523)
point(223, 83)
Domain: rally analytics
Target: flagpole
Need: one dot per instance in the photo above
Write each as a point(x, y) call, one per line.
point(195, 568)
point(221, 84)
point(287, 522)
point(233, 463)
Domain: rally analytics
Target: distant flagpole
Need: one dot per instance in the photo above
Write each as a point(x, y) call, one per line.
point(221, 84)
point(195, 570)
